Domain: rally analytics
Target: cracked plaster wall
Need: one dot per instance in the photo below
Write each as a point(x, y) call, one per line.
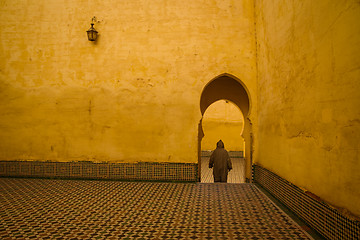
point(134, 95)
point(309, 98)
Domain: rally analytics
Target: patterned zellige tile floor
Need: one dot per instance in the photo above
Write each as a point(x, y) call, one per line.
point(84, 209)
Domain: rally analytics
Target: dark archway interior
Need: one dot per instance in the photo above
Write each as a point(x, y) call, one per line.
point(225, 87)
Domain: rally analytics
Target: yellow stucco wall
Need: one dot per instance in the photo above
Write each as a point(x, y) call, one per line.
point(308, 71)
point(131, 96)
point(223, 120)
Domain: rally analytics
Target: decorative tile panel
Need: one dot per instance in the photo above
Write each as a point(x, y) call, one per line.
point(88, 170)
point(76, 170)
point(2, 168)
point(37, 169)
point(232, 154)
point(328, 221)
point(25, 169)
point(62, 170)
point(49, 169)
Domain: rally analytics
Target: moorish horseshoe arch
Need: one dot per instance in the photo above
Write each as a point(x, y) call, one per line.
point(228, 87)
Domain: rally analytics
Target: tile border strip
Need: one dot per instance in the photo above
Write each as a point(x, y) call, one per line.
point(327, 221)
point(232, 154)
point(147, 171)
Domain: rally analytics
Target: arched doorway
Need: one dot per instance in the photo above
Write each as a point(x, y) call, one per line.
point(223, 120)
point(228, 87)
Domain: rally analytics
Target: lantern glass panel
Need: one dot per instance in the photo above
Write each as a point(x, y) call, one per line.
point(92, 35)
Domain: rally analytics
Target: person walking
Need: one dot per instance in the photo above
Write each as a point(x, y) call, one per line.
point(220, 162)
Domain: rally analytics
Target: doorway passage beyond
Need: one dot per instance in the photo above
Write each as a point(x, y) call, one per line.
point(236, 175)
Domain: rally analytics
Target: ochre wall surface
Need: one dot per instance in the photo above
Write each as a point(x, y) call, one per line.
point(223, 120)
point(134, 94)
point(309, 98)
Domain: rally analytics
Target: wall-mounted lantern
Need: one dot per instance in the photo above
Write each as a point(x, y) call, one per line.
point(92, 33)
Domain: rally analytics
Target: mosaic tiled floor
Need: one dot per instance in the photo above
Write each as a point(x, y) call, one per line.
point(75, 209)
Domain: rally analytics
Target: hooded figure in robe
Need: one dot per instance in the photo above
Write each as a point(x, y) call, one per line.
point(221, 162)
